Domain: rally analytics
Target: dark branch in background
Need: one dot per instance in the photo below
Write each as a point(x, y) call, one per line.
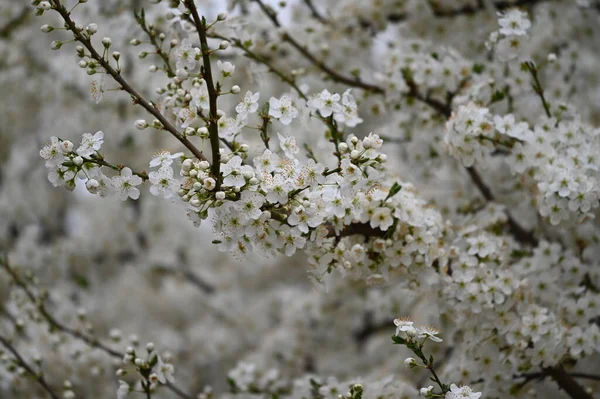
point(440, 12)
point(56, 325)
point(213, 128)
point(22, 363)
point(314, 12)
point(137, 98)
point(567, 383)
point(443, 108)
point(152, 34)
point(13, 24)
point(516, 230)
point(354, 82)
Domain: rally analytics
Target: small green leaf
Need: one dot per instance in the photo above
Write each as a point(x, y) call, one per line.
point(398, 340)
point(478, 68)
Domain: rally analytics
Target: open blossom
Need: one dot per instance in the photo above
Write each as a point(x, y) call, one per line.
point(514, 22)
point(199, 95)
point(53, 153)
point(267, 162)
point(186, 55)
point(226, 68)
point(125, 184)
point(326, 103)
point(250, 203)
point(288, 145)
point(164, 158)
point(382, 218)
point(403, 324)
point(464, 392)
point(249, 104)
point(282, 109)
point(349, 113)
point(165, 371)
point(163, 182)
point(429, 333)
point(90, 144)
point(235, 174)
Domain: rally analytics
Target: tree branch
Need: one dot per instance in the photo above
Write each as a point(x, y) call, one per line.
point(213, 128)
point(567, 383)
point(137, 98)
point(22, 363)
point(55, 324)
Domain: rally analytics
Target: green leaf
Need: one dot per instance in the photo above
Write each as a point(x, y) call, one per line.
point(478, 68)
point(396, 187)
point(398, 340)
point(498, 95)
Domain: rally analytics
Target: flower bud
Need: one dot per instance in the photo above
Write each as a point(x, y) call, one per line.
point(78, 161)
point(410, 362)
point(92, 186)
point(222, 16)
point(67, 146)
point(182, 74)
point(91, 28)
point(141, 124)
point(186, 165)
point(46, 28)
point(106, 41)
point(411, 331)
point(210, 184)
point(224, 45)
point(204, 165)
point(235, 89)
point(220, 195)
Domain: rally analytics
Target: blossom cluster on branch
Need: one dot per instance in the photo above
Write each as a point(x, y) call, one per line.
point(437, 159)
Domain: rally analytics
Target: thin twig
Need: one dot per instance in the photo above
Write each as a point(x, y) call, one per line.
point(315, 13)
point(22, 363)
point(354, 82)
point(54, 323)
point(213, 128)
point(151, 33)
point(137, 98)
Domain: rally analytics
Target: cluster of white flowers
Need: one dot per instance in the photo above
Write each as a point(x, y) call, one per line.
point(150, 369)
point(343, 108)
point(66, 167)
point(425, 202)
point(508, 40)
point(419, 63)
point(560, 155)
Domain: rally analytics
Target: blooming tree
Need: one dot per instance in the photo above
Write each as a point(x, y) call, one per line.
point(431, 159)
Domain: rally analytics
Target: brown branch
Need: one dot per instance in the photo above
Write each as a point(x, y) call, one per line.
point(315, 13)
point(54, 323)
point(7, 30)
point(514, 227)
point(443, 108)
point(213, 128)
point(21, 362)
point(151, 33)
point(354, 82)
point(137, 98)
point(468, 10)
point(567, 383)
